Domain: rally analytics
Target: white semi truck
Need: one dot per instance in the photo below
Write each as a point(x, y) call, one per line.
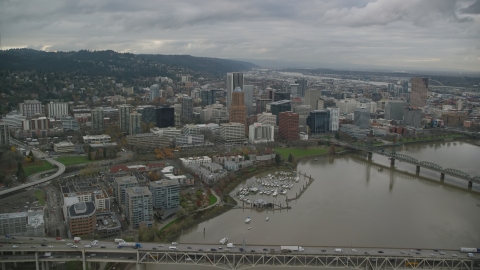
point(288, 249)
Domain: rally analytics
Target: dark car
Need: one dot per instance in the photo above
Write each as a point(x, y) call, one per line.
point(212, 249)
point(102, 246)
point(253, 250)
point(189, 247)
point(265, 249)
point(44, 245)
point(436, 250)
point(241, 249)
point(31, 238)
point(200, 249)
point(324, 250)
point(418, 253)
point(380, 251)
point(154, 248)
point(418, 249)
point(367, 253)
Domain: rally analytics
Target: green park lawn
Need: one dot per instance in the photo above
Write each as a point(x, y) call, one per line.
point(72, 160)
point(301, 152)
point(212, 199)
point(36, 167)
point(40, 197)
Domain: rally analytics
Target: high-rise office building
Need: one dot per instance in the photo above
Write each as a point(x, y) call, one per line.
point(280, 106)
point(165, 117)
point(294, 90)
point(124, 112)
point(57, 109)
point(206, 97)
point(405, 86)
point(234, 80)
point(320, 104)
point(267, 119)
point(238, 111)
point(319, 121)
point(303, 86)
point(288, 126)
point(187, 107)
point(311, 97)
point(418, 95)
point(135, 123)
point(334, 118)
point(138, 207)
point(248, 98)
point(98, 124)
point(4, 134)
point(362, 117)
point(394, 110)
point(148, 114)
point(232, 133)
point(262, 105)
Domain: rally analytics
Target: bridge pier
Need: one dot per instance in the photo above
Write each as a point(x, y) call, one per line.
point(442, 176)
point(470, 184)
point(37, 266)
point(83, 260)
point(3, 266)
point(418, 169)
point(369, 154)
point(392, 162)
point(43, 265)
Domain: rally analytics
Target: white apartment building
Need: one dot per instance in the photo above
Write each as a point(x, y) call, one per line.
point(30, 107)
point(334, 118)
point(267, 119)
point(57, 109)
point(97, 139)
point(259, 133)
point(138, 206)
point(196, 160)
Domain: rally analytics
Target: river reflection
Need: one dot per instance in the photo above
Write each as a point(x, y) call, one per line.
point(356, 202)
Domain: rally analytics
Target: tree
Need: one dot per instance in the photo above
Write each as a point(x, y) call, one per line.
point(278, 159)
point(8, 159)
point(20, 172)
point(337, 135)
point(181, 213)
point(246, 157)
point(290, 158)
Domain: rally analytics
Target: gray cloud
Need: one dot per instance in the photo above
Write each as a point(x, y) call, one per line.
point(472, 9)
point(382, 32)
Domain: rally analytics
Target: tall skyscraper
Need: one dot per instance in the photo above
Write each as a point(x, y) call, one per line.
point(124, 116)
point(248, 95)
point(294, 90)
point(206, 97)
point(288, 126)
point(303, 86)
point(334, 118)
point(238, 111)
point(187, 107)
point(234, 80)
point(319, 121)
point(418, 95)
point(98, 125)
point(135, 123)
point(148, 114)
point(311, 97)
point(4, 134)
point(165, 117)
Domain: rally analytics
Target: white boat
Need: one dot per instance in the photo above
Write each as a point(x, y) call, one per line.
point(284, 192)
point(224, 240)
point(275, 193)
point(248, 220)
point(267, 219)
point(249, 228)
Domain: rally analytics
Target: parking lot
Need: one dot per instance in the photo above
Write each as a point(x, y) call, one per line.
point(17, 202)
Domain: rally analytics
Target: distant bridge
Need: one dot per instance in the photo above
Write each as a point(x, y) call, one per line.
point(425, 164)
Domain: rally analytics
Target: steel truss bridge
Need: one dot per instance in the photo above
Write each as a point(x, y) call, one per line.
point(241, 260)
point(425, 164)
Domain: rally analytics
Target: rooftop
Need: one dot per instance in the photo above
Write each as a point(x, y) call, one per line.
point(137, 191)
point(81, 209)
point(126, 180)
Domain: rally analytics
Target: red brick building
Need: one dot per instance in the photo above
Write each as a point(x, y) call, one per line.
point(288, 125)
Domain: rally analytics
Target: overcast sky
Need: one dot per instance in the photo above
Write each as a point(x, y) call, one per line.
point(398, 33)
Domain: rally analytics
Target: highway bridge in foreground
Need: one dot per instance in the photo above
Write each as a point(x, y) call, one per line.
point(27, 250)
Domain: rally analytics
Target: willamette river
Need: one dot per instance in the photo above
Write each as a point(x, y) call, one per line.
point(354, 202)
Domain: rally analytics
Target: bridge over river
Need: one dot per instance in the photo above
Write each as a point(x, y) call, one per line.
point(384, 151)
point(22, 251)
